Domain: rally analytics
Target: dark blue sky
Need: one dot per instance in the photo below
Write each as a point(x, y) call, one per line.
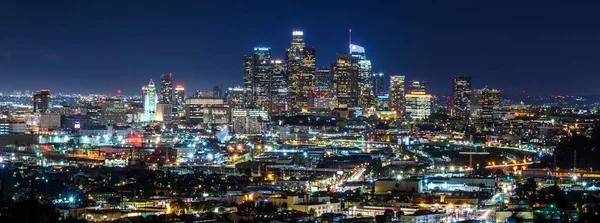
point(543, 47)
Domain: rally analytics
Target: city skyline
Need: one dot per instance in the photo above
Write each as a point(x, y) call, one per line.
point(61, 50)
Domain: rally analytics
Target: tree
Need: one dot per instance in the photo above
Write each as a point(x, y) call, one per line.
point(312, 212)
point(178, 207)
point(389, 214)
point(114, 201)
point(399, 215)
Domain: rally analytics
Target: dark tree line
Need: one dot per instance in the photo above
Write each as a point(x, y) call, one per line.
point(587, 149)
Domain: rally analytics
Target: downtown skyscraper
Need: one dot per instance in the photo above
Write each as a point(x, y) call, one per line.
point(166, 89)
point(179, 96)
point(365, 70)
point(397, 94)
point(461, 95)
point(346, 80)
point(265, 82)
point(301, 63)
point(378, 88)
point(150, 100)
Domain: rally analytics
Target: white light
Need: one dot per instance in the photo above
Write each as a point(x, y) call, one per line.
point(298, 33)
point(71, 199)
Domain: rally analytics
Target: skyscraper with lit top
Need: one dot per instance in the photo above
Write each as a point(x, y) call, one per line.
point(301, 70)
point(179, 95)
point(150, 101)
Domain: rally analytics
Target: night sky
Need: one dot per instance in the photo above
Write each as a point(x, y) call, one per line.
point(543, 47)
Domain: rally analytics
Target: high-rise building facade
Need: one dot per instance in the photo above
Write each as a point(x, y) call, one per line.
point(166, 89)
point(345, 80)
point(490, 99)
point(179, 96)
point(418, 105)
point(41, 101)
point(415, 87)
point(261, 73)
point(248, 79)
point(301, 68)
point(378, 88)
point(150, 101)
point(365, 84)
point(323, 80)
point(113, 112)
point(397, 94)
point(461, 95)
point(278, 90)
point(235, 97)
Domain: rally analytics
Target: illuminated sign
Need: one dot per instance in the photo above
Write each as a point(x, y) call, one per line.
point(262, 48)
point(297, 33)
point(76, 124)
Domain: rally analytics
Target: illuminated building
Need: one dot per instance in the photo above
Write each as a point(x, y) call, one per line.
point(383, 102)
point(261, 73)
point(415, 87)
point(323, 80)
point(249, 121)
point(461, 95)
point(235, 97)
point(179, 95)
point(365, 83)
point(150, 101)
point(483, 103)
point(345, 80)
point(278, 88)
point(41, 101)
point(206, 110)
point(166, 89)
point(296, 45)
point(164, 112)
point(248, 79)
point(418, 105)
point(113, 112)
point(378, 88)
point(301, 68)
point(397, 94)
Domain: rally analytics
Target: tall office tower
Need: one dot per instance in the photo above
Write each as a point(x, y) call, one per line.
point(278, 90)
point(248, 79)
point(323, 80)
point(113, 112)
point(378, 88)
point(461, 95)
point(416, 86)
point(301, 68)
point(397, 94)
point(490, 99)
point(235, 97)
point(345, 80)
point(261, 81)
point(166, 89)
point(365, 84)
point(41, 101)
point(308, 76)
point(217, 91)
point(179, 96)
point(150, 101)
point(296, 45)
